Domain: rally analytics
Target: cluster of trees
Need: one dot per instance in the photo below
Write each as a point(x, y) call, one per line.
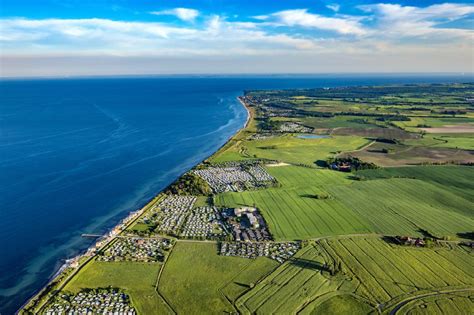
point(450, 112)
point(386, 140)
point(394, 118)
point(269, 125)
point(349, 163)
point(190, 184)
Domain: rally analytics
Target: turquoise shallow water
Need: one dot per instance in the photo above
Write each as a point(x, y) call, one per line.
point(76, 155)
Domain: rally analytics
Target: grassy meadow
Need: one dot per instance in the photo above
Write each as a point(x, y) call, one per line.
point(374, 272)
point(292, 212)
point(137, 279)
point(196, 280)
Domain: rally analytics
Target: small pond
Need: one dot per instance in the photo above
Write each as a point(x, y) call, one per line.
point(313, 136)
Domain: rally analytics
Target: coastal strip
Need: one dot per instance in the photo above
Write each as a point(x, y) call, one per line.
point(60, 279)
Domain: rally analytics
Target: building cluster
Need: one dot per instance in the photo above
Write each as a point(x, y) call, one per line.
point(136, 249)
point(261, 136)
point(294, 127)
point(277, 251)
point(271, 111)
point(410, 241)
point(246, 224)
point(99, 301)
point(170, 214)
point(204, 222)
point(235, 178)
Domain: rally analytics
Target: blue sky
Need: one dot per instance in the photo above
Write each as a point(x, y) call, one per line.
point(71, 37)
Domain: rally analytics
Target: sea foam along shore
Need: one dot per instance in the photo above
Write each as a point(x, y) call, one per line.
point(75, 262)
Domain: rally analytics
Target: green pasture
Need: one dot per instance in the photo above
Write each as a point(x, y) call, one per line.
point(291, 149)
point(374, 272)
point(292, 212)
point(447, 303)
point(291, 286)
point(432, 122)
point(456, 179)
point(248, 277)
point(389, 206)
point(341, 304)
point(390, 273)
point(457, 141)
point(333, 122)
point(404, 206)
point(195, 277)
point(136, 279)
point(386, 154)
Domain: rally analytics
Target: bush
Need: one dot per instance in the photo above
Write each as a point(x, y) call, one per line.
point(190, 184)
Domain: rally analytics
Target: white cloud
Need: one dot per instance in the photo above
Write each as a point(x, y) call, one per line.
point(333, 6)
point(109, 37)
point(302, 18)
point(185, 14)
point(400, 21)
point(403, 35)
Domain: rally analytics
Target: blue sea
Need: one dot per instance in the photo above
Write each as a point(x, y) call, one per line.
point(77, 155)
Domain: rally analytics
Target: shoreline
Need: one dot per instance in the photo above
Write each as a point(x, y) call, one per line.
point(123, 224)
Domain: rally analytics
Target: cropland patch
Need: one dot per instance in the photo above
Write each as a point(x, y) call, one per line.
point(386, 154)
point(451, 129)
point(193, 276)
point(135, 278)
point(387, 133)
point(353, 275)
point(294, 211)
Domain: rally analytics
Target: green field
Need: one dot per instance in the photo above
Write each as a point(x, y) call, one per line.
point(433, 122)
point(401, 154)
point(373, 272)
point(248, 277)
point(404, 206)
point(390, 206)
point(456, 179)
point(306, 151)
point(389, 271)
point(290, 210)
point(291, 286)
point(291, 149)
point(447, 303)
point(136, 279)
point(334, 122)
point(195, 278)
point(456, 141)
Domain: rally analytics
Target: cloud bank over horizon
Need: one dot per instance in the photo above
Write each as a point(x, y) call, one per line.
point(333, 37)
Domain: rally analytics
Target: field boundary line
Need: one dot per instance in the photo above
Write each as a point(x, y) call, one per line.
point(157, 283)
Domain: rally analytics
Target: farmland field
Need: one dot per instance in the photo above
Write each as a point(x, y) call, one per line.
point(456, 179)
point(292, 212)
point(291, 286)
point(388, 271)
point(404, 206)
point(194, 276)
point(137, 279)
point(433, 122)
point(456, 141)
point(305, 151)
point(399, 154)
point(446, 303)
point(391, 206)
point(373, 272)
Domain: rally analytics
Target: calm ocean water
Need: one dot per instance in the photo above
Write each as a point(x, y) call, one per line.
point(76, 155)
